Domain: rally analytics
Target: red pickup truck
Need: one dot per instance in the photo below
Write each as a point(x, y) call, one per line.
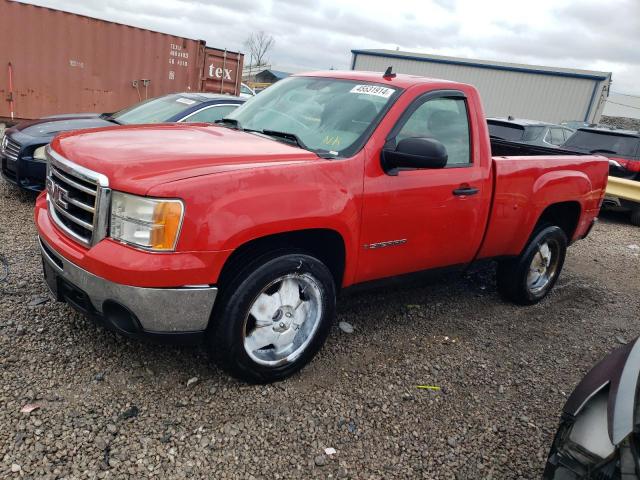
point(241, 234)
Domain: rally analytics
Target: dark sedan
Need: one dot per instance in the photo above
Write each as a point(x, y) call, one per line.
point(22, 146)
point(530, 132)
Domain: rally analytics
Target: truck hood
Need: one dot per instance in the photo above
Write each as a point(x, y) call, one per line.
point(137, 158)
point(46, 128)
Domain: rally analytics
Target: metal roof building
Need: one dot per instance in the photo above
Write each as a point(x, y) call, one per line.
point(526, 91)
point(271, 76)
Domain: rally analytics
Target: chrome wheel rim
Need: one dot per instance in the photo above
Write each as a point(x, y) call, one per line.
point(543, 267)
point(283, 319)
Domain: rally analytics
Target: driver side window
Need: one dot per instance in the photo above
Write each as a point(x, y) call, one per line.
point(445, 120)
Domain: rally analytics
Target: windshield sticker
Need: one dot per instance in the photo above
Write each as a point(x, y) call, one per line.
point(186, 101)
point(331, 140)
point(383, 92)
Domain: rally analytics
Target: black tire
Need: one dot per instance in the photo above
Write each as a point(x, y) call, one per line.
point(512, 275)
point(635, 217)
point(226, 333)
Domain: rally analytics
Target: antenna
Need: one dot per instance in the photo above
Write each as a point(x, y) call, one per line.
point(388, 73)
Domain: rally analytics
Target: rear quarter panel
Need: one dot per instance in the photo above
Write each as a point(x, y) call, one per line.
point(526, 186)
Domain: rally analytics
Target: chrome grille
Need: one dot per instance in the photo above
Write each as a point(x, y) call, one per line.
point(78, 199)
point(10, 148)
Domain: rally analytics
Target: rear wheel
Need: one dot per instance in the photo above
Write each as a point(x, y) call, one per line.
point(528, 278)
point(635, 216)
point(273, 317)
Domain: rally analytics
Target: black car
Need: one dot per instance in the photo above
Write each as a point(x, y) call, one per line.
point(22, 146)
point(530, 132)
point(622, 147)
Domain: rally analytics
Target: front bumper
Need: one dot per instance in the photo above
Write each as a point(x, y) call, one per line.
point(24, 172)
point(157, 313)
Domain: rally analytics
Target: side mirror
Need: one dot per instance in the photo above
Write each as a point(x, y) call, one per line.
point(418, 152)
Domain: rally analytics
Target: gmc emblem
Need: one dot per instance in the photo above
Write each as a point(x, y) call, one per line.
point(59, 196)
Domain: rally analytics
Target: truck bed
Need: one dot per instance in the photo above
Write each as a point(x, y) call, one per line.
point(525, 184)
point(506, 148)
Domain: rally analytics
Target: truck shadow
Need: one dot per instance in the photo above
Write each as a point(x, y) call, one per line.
point(377, 310)
point(463, 306)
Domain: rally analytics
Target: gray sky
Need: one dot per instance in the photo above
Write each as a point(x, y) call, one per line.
point(589, 34)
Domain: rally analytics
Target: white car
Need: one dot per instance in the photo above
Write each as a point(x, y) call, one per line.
point(246, 91)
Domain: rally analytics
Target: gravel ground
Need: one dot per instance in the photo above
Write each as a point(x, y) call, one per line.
point(115, 408)
point(621, 122)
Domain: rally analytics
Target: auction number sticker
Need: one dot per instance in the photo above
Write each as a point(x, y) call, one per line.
point(186, 101)
point(383, 92)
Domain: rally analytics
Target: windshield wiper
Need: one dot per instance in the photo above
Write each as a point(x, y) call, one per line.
point(290, 137)
point(231, 122)
point(294, 139)
point(109, 117)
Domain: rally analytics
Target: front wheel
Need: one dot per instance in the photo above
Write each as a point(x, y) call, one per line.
point(528, 278)
point(273, 318)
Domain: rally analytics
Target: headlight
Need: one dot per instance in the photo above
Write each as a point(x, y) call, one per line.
point(38, 154)
point(151, 223)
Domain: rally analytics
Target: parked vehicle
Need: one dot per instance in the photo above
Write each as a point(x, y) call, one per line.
point(241, 234)
point(22, 147)
point(599, 435)
point(576, 124)
point(531, 132)
point(246, 91)
point(622, 147)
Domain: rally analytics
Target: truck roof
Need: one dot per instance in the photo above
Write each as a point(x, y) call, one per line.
point(400, 80)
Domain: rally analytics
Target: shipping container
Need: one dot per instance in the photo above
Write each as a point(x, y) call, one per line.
point(535, 92)
point(54, 62)
point(222, 71)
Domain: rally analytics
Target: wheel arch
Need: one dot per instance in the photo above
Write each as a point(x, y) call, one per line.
point(326, 244)
point(565, 215)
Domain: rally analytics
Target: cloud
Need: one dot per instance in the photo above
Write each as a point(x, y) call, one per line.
point(587, 34)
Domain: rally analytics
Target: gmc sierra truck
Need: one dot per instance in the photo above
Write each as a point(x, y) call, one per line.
point(241, 234)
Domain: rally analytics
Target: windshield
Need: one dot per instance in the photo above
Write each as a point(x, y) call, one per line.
point(531, 133)
point(156, 110)
point(590, 141)
point(325, 114)
point(506, 131)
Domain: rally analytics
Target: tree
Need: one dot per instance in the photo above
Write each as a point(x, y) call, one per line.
point(258, 45)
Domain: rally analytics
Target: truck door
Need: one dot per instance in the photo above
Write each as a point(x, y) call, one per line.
point(426, 218)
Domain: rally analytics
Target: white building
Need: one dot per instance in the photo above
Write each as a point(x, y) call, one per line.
point(524, 91)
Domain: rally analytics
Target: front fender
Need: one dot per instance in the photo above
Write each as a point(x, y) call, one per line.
point(226, 210)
